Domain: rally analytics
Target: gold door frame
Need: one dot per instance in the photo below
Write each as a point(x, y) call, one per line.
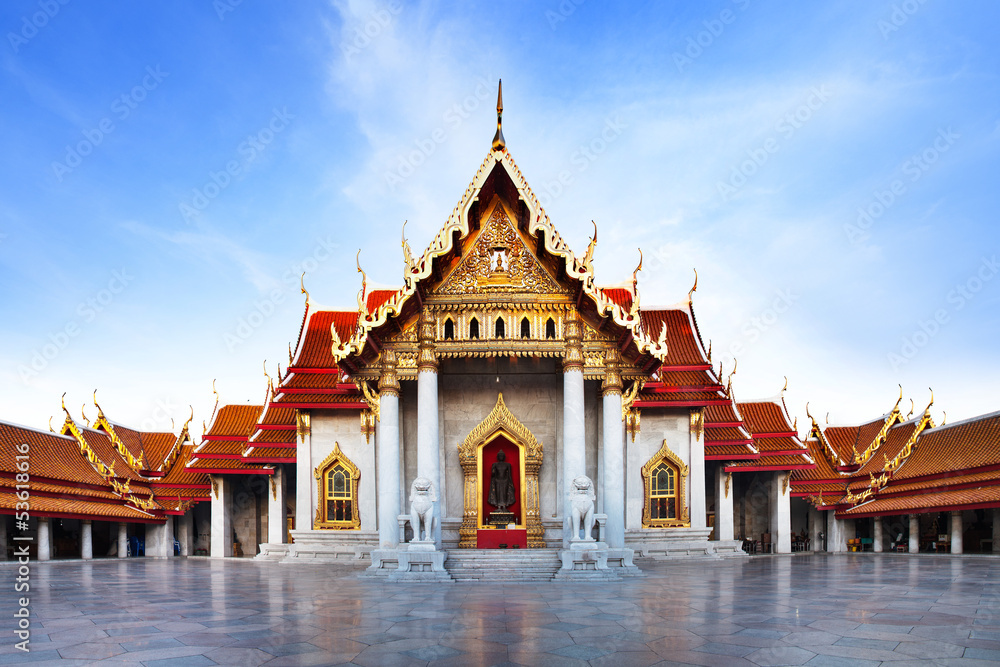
point(499, 422)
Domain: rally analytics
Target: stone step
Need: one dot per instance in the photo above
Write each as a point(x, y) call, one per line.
point(503, 565)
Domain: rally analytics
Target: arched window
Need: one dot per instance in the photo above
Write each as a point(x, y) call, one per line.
point(500, 328)
point(663, 478)
point(474, 328)
point(337, 485)
point(449, 329)
point(525, 328)
point(550, 329)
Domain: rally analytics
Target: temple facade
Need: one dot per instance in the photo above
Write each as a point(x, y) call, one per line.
point(504, 411)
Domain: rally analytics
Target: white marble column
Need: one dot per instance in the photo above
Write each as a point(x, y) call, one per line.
point(724, 492)
point(956, 532)
point(276, 506)
point(996, 530)
point(877, 536)
point(781, 513)
point(185, 532)
point(304, 483)
point(696, 480)
point(86, 539)
point(428, 447)
point(387, 442)
point(122, 539)
point(44, 539)
point(914, 546)
point(816, 526)
point(613, 460)
point(574, 457)
point(222, 518)
point(836, 542)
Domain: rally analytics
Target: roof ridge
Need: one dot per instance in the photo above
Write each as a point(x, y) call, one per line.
point(968, 420)
point(36, 430)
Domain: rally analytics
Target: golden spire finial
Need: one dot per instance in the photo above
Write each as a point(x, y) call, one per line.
point(84, 414)
point(302, 286)
point(944, 419)
point(785, 388)
point(362, 308)
point(498, 142)
point(50, 425)
point(635, 274)
point(828, 418)
point(694, 288)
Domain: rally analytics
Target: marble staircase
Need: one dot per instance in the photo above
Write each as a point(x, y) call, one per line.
point(503, 564)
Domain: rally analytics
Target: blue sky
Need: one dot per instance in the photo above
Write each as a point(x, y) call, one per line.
point(169, 170)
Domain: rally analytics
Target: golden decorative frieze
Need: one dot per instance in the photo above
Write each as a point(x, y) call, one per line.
point(427, 360)
point(388, 383)
point(729, 481)
point(499, 261)
point(573, 358)
point(303, 426)
point(698, 423)
point(631, 416)
point(612, 374)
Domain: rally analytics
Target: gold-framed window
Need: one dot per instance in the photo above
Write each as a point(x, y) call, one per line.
point(337, 492)
point(663, 480)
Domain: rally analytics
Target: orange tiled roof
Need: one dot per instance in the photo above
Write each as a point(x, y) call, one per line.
point(970, 444)
point(64, 507)
point(980, 497)
point(53, 456)
point(683, 348)
point(270, 454)
point(235, 420)
point(316, 339)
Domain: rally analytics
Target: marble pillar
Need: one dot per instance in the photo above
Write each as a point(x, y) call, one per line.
point(276, 506)
point(696, 479)
point(613, 460)
point(956, 532)
point(304, 483)
point(86, 539)
point(222, 519)
point(781, 513)
point(724, 492)
point(428, 441)
point(914, 546)
point(122, 539)
point(185, 532)
point(877, 536)
point(44, 539)
point(816, 526)
point(387, 442)
point(836, 541)
point(574, 459)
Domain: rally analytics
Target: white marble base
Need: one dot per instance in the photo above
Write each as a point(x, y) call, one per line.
point(409, 565)
point(674, 543)
point(272, 551)
point(330, 546)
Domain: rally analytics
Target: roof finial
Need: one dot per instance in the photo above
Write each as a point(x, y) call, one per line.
point(498, 143)
point(302, 286)
point(694, 288)
point(50, 425)
point(785, 388)
point(362, 295)
point(635, 274)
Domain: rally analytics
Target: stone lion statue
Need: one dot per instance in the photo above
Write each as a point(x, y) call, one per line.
point(422, 499)
point(581, 500)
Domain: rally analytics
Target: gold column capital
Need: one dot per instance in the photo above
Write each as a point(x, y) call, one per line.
point(612, 374)
point(388, 383)
point(573, 359)
point(426, 334)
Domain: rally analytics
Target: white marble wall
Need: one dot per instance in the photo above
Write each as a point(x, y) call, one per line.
point(657, 424)
point(344, 427)
point(468, 388)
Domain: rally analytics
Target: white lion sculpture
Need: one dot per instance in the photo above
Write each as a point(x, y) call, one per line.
point(581, 500)
point(422, 499)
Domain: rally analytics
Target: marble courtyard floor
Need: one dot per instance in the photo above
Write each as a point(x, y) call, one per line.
point(845, 609)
